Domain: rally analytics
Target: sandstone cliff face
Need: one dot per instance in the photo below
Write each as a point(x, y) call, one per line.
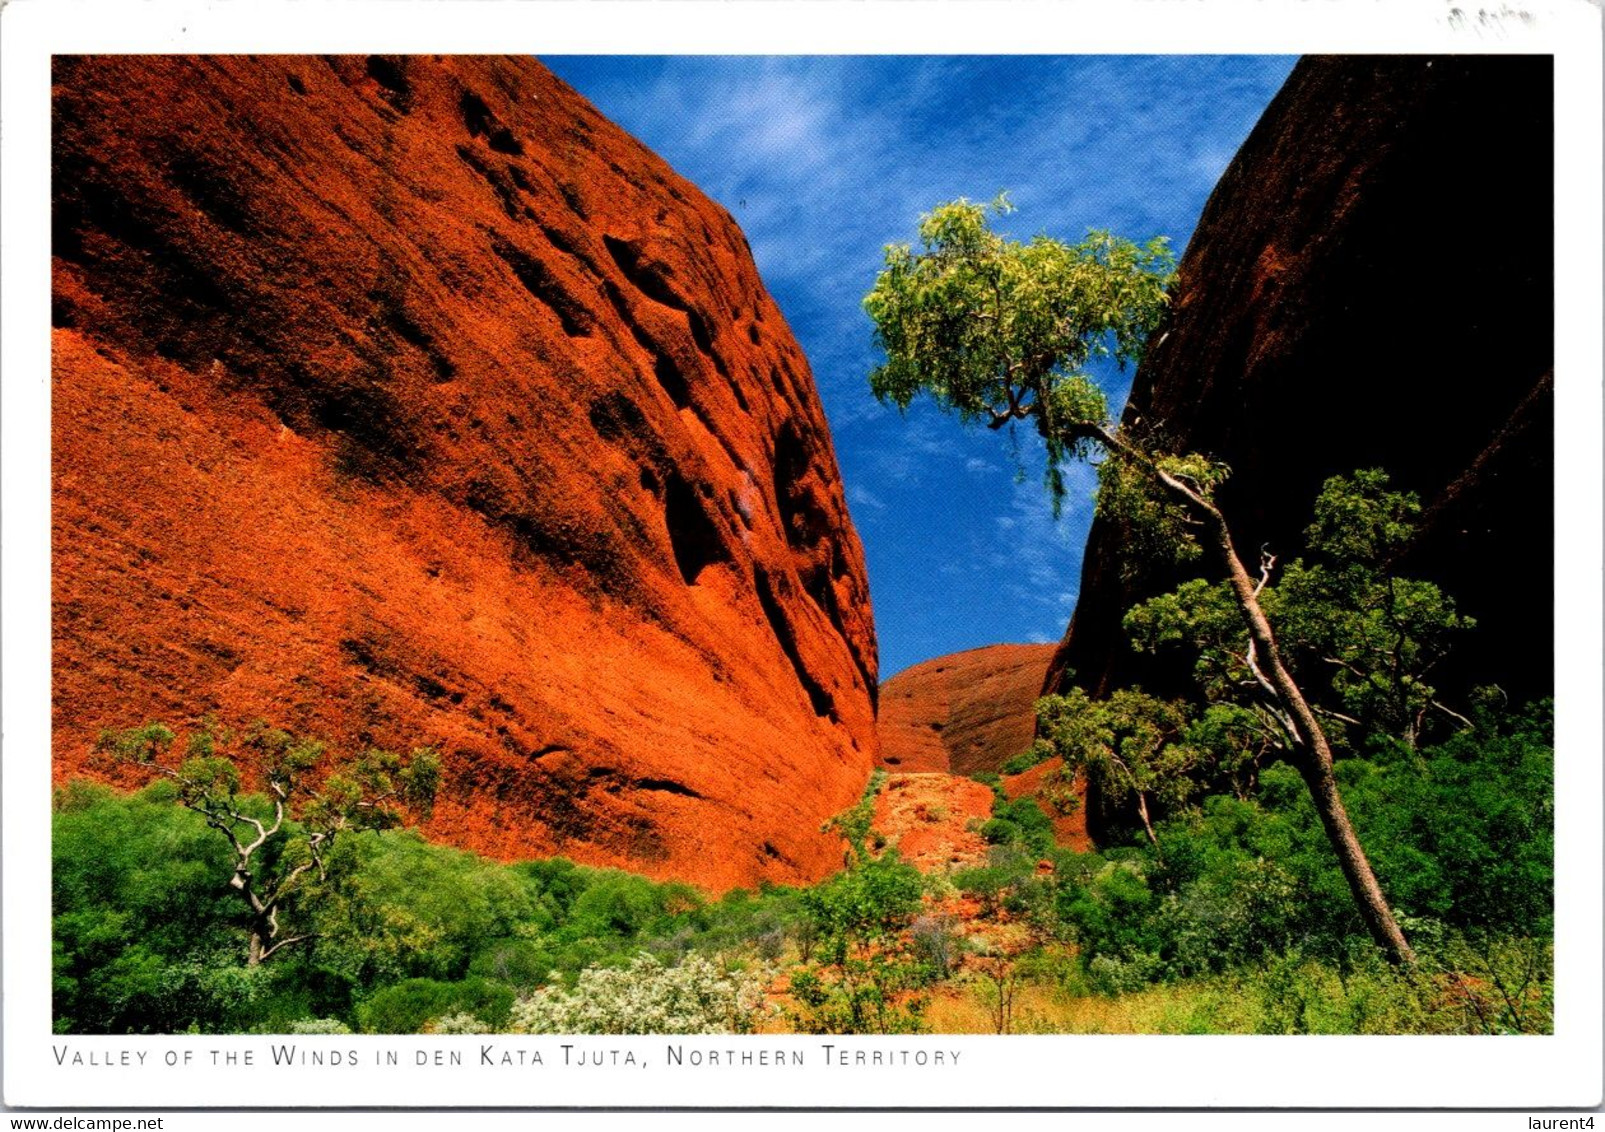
point(408, 400)
point(966, 712)
point(1371, 285)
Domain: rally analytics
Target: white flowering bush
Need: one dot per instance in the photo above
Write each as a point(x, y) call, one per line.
point(461, 1022)
point(319, 1026)
point(695, 997)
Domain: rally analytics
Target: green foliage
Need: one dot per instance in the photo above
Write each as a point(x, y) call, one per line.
point(1245, 905)
point(869, 967)
point(1020, 763)
point(1009, 882)
point(623, 905)
point(865, 904)
point(1486, 985)
point(318, 1026)
point(936, 942)
point(144, 934)
point(1001, 330)
point(1300, 995)
point(854, 824)
point(1000, 831)
point(1460, 837)
point(1358, 519)
point(310, 799)
point(1019, 822)
point(409, 1006)
point(1233, 743)
point(1108, 910)
point(740, 923)
point(992, 882)
point(1129, 745)
point(1360, 641)
point(395, 908)
point(1154, 526)
point(875, 993)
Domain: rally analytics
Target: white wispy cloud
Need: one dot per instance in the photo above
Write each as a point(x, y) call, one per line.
point(861, 496)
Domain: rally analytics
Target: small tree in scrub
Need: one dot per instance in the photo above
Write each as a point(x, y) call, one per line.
point(1002, 331)
point(1127, 745)
point(311, 799)
point(1000, 984)
point(859, 917)
point(864, 905)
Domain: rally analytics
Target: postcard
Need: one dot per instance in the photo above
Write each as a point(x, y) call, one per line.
point(806, 556)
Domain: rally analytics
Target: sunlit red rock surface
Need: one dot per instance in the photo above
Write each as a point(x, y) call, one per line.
point(407, 401)
point(965, 712)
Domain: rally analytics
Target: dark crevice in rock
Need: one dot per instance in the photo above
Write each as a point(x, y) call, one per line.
point(664, 786)
point(652, 280)
point(481, 122)
point(568, 247)
point(539, 281)
point(816, 582)
point(824, 704)
point(389, 73)
point(500, 183)
point(693, 535)
point(803, 518)
point(392, 314)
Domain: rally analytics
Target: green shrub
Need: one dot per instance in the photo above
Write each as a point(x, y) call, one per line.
point(1000, 831)
point(146, 934)
point(318, 1026)
point(875, 898)
point(1109, 913)
point(875, 993)
point(396, 907)
point(409, 1006)
point(515, 961)
point(1026, 759)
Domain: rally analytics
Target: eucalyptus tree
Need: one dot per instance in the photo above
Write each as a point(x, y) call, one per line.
point(999, 331)
point(312, 798)
point(1362, 642)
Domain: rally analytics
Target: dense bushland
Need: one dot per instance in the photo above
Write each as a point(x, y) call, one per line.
point(1238, 900)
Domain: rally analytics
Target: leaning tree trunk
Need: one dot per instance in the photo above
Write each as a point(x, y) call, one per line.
point(1315, 765)
point(1147, 825)
point(1315, 754)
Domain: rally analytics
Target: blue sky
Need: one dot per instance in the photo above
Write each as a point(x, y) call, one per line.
point(825, 160)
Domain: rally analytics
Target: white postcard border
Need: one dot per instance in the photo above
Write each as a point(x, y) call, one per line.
point(1563, 1069)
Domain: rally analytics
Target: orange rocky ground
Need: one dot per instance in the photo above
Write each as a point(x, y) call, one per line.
point(932, 819)
point(408, 400)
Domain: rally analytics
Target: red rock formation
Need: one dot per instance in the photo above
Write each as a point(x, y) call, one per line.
point(408, 400)
point(966, 712)
point(1370, 285)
